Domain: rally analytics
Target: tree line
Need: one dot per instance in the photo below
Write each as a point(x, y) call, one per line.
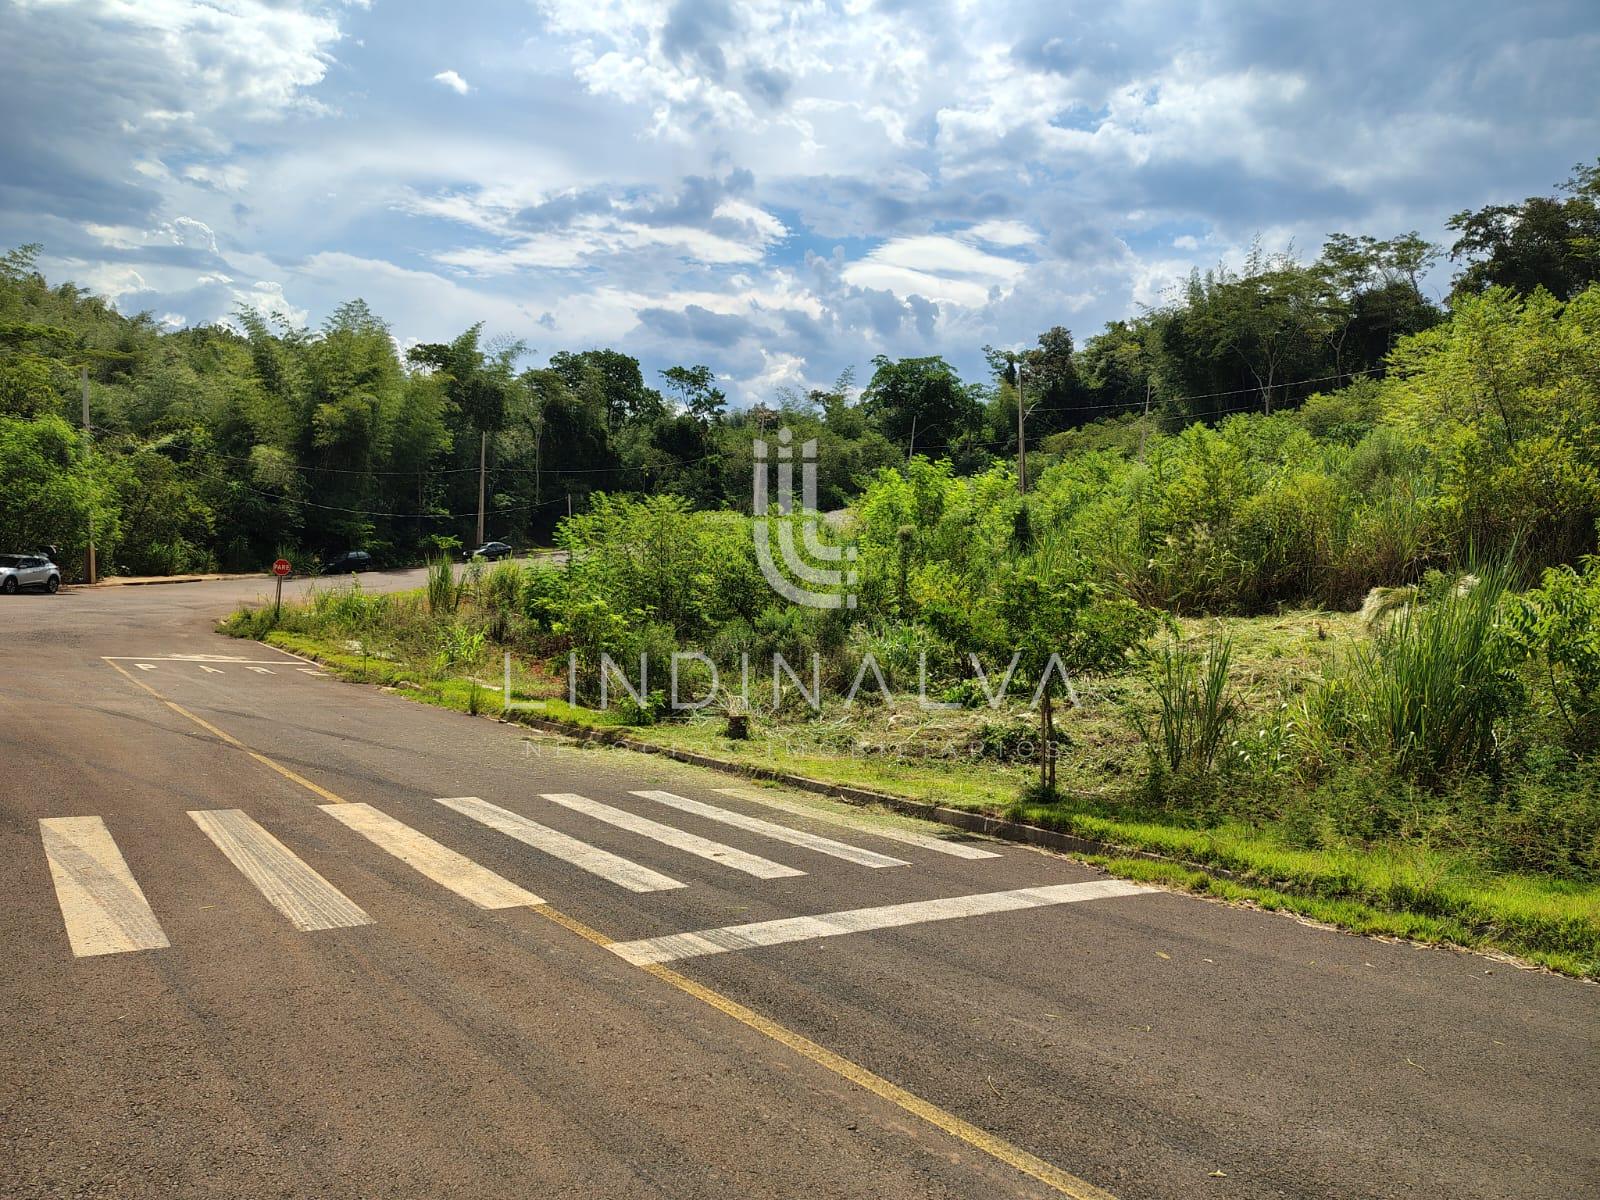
point(223, 446)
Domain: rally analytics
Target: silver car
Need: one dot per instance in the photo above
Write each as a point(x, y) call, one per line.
point(28, 570)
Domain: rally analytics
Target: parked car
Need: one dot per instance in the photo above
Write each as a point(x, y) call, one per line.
point(18, 571)
point(347, 563)
point(491, 551)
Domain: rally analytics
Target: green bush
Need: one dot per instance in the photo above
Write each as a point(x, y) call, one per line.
point(1558, 626)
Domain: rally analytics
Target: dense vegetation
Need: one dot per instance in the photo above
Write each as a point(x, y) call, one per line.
point(220, 446)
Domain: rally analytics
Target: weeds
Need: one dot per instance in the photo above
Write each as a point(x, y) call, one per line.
point(1431, 690)
point(441, 591)
point(1196, 714)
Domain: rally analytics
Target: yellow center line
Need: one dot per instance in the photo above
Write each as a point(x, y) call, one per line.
point(229, 738)
point(995, 1147)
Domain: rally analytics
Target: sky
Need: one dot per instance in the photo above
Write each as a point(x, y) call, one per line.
point(778, 190)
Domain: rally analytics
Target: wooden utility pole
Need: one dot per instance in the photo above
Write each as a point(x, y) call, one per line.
point(483, 459)
point(88, 439)
point(1022, 445)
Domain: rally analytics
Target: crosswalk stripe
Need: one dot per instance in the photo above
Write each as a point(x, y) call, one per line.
point(439, 863)
point(293, 888)
point(926, 841)
point(782, 833)
point(799, 929)
point(691, 843)
point(102, 905)
point(589, 858)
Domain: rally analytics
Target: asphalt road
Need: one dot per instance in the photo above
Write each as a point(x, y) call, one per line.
point(348, 989)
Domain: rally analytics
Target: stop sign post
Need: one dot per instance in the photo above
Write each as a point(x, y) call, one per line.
point(279, 569)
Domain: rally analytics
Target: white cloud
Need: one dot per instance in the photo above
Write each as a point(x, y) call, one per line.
point(936, 267)
point(453, 81)
point(245, 55)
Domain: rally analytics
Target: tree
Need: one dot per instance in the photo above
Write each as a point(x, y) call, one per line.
point(697, 392)
point(1372, 296)
point(49, 495)
point(1265, 318)
point(627, 399)
point(921, 404)
point(1545, 241)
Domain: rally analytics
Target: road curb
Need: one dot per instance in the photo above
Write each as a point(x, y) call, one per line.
point(959, 818)
point(157, 581)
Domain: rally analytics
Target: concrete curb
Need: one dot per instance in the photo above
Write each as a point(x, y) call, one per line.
point(157, 580)
point(959, 818)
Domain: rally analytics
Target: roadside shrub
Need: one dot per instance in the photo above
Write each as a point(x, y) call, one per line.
point(592, 628)
point(1558, 626)
point(544, 595)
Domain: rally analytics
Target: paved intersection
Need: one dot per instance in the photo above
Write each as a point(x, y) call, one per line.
point(268, 934)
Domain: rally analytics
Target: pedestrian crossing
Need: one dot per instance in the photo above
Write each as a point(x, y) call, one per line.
point(102, 906)
point(678, 839)
point(433, 859)
point(104, 910)
point(307, 899)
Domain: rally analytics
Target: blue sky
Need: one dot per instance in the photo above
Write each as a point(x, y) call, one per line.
point(779, 190)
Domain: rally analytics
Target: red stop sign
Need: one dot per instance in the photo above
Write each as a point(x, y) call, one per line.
point(282, 567)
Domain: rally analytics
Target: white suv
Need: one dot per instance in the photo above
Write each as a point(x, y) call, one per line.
point(28, 570)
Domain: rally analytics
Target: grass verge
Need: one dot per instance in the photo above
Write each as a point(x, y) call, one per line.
point(1413, 892)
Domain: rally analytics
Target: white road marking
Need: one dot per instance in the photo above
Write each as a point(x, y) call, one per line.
point(439, 863)
point(691, 843)
point(145, 666)
point(311, 671)
point(293, 888)
point(781, 833)
point(199, 658)
point(800, 929)
point(569, 849)
point(102, 906)
point(926, 841)
point(261, 670)
point(209, 670)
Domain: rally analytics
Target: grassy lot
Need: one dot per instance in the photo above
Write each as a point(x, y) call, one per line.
point(1418, 887)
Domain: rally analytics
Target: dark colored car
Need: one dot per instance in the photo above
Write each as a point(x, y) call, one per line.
point(492, 551)
point(348, 562)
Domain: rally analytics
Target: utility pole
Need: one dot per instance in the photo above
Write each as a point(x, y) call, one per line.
point(483, 459)
point(1144, 425)
point(1022, 445)
point(88, 441)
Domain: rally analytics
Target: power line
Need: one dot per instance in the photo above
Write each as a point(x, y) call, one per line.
point(504, 469)
point(365, 512)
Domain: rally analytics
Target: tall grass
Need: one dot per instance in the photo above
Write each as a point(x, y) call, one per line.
point(1196, 713)
point(442, 593)
point(1433, 686)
